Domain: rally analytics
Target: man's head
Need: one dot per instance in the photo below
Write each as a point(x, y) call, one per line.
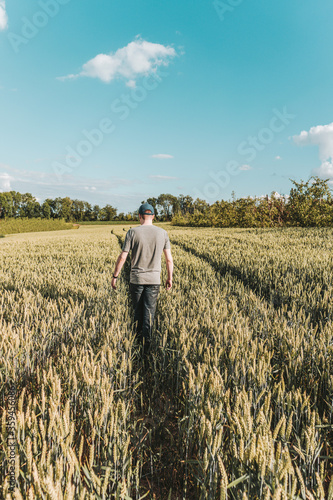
point(146, 212)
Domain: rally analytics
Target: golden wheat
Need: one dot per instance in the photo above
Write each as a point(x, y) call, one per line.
point(243, 345)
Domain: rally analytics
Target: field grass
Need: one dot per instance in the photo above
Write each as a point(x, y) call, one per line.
point(25, 225)
point(119, 223)
point(108, 223)
point(236, 400)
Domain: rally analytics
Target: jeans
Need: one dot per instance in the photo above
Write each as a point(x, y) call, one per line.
point(144, 300)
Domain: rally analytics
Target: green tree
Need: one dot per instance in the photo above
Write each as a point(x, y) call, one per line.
point(55, 207)
point(201, 206)
point(223, 214)
point(29, 207)
point(153, 202)
point(109, 213)
point(78, 210)
point(87, 210)
point(96, 212)
point(46, 210)
point(310, 203)
point(169, 205)
point(66, 209)
point(185, 204)
point(6, 205)
point(16, 200)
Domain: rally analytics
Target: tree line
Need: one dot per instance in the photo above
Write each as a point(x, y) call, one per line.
point(14, 204)
point(308, 204)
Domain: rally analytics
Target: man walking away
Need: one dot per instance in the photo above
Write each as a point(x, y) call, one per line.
point(146, 243)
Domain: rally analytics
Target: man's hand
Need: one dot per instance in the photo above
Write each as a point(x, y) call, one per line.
point(168, 284)
point(119, 264)
point(169, 265)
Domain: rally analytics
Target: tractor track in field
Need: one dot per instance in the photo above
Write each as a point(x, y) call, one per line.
point(222, 273)
point(163, 471)
point(264, 292)
point(277, 361)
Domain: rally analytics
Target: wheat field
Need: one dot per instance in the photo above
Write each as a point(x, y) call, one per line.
point(235, 402)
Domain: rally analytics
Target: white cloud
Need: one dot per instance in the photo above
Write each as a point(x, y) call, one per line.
point(279, 196)
point(276, 195)
point(5, 180)
point(123, 193)
point(321, 136)
point(325, 170)
point(245, 167)
point(46, 184)
point(278, 158)
point(131, 84)
point(3, 15)
point(68, 77)
point(163, 177)
point(138, 58)
point(162, 156)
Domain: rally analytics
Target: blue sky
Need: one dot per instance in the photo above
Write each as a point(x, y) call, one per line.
point(115, 101)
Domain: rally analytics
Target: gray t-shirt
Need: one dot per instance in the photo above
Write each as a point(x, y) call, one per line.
point(146, 243)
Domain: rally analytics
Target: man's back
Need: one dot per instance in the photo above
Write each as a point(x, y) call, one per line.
point(147, 243)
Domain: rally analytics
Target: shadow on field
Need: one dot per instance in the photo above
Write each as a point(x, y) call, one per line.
point(265, 290)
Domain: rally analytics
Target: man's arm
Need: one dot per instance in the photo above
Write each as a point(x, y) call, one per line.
point(169, 265)
point(119, 264)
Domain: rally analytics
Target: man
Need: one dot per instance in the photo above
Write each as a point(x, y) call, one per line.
point(147, 243)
